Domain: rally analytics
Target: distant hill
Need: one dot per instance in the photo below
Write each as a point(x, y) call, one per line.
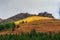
point(25, 15)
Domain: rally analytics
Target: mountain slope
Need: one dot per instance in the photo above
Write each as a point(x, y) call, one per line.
point(32, 18)
point(40, 24)
point(17, 17)
point(46, 25)
point(21, 16)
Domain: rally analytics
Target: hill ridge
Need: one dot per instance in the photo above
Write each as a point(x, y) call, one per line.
point(25, 15)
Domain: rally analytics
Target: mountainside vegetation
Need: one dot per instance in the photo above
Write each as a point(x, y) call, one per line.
point(33, 35)
point(7, 26)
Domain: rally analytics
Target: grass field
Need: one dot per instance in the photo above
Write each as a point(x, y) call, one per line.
point(30, 19)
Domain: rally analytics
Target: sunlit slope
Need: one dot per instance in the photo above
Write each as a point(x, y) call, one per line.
point(32, 18)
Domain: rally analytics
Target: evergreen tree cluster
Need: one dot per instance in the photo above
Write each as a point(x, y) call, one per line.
point(33, 35)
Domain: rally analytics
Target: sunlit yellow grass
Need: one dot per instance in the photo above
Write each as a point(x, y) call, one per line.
point(32, 18)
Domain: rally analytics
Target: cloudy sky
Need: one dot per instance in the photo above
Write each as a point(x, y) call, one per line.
point(9, 8)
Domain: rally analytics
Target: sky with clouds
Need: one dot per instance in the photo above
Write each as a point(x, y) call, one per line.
point(9, 8)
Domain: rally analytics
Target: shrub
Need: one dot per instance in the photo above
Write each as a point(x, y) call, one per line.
point(7, 25)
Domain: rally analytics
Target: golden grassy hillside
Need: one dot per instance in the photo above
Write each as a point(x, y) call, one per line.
point(32, 18)
point(40, 24)
point(47, 25)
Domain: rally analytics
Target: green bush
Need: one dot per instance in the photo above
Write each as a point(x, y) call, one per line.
point(7, 25)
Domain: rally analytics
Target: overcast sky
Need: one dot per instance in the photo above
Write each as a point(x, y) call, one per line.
point(9, 8)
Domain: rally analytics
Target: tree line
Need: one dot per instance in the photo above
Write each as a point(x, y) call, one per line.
point(33, 35)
